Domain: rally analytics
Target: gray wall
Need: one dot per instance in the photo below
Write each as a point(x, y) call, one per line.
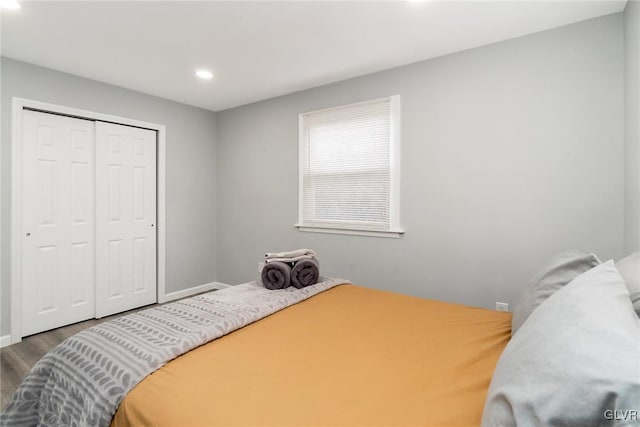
point(510, 153)
point(191, 158)
point(632, 125)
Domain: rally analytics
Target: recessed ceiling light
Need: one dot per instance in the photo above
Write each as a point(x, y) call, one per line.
point(9, 4)
point(204, 74)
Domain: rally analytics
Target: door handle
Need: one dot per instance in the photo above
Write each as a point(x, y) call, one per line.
point(28, 234)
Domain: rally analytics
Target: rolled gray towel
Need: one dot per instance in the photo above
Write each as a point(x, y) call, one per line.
point(305, 273)
point(276, 275)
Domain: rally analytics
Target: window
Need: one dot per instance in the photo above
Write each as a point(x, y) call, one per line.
point(349, 169)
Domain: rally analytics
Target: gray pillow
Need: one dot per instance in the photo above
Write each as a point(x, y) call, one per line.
point(575, 362)
point(562, 269)
point(629, 269)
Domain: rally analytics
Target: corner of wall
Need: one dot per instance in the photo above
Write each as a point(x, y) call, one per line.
point(631, 28)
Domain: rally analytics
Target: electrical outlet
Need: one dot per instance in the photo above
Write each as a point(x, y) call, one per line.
point(260, 267)
point(502, 306)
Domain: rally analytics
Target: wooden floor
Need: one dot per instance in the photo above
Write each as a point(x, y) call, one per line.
point(17, 360)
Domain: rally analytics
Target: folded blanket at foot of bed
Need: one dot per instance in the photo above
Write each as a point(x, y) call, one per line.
point(305, 273)
point(276, 275)
point(83, 380)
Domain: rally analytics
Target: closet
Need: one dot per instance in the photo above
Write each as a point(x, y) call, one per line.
point(88, 203)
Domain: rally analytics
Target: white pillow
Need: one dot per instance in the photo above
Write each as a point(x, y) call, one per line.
point(574, 362)
point(629, 269)
point(559, 271)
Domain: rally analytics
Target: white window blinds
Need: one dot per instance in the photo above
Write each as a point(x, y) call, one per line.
point(349, 167)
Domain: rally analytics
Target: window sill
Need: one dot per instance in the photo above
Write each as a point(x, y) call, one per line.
point(394, 234)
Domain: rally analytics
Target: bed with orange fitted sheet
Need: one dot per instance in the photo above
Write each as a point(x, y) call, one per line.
point(349, 356)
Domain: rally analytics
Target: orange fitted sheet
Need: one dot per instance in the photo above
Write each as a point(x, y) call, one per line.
point(350, 356)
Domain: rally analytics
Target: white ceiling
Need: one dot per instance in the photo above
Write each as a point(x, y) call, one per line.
point(258, 50)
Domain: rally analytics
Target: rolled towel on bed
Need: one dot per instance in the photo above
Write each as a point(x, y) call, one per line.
point(305, 273)
point(276, 275)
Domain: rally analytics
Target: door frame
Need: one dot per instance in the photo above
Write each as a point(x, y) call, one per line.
point(18, 106)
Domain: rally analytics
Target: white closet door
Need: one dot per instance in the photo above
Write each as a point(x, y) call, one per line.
point(125, 218)
point(57, 265)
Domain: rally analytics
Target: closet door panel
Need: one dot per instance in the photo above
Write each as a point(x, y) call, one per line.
point(125, 218)
point(57, 229)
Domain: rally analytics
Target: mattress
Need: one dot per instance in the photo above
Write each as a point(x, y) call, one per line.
point(348, 356)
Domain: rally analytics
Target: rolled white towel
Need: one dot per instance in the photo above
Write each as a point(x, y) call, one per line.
point(309, 253)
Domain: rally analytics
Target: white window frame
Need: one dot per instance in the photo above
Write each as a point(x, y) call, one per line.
point(395, 230)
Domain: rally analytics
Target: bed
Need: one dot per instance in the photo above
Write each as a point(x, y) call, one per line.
point(335, 353)
point(348, 356)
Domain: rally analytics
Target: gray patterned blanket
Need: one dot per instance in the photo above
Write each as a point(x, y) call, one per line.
point(82, 381)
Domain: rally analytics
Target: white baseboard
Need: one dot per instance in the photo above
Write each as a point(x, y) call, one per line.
point(220, 285)
point(5, 340)
point(193, 291)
